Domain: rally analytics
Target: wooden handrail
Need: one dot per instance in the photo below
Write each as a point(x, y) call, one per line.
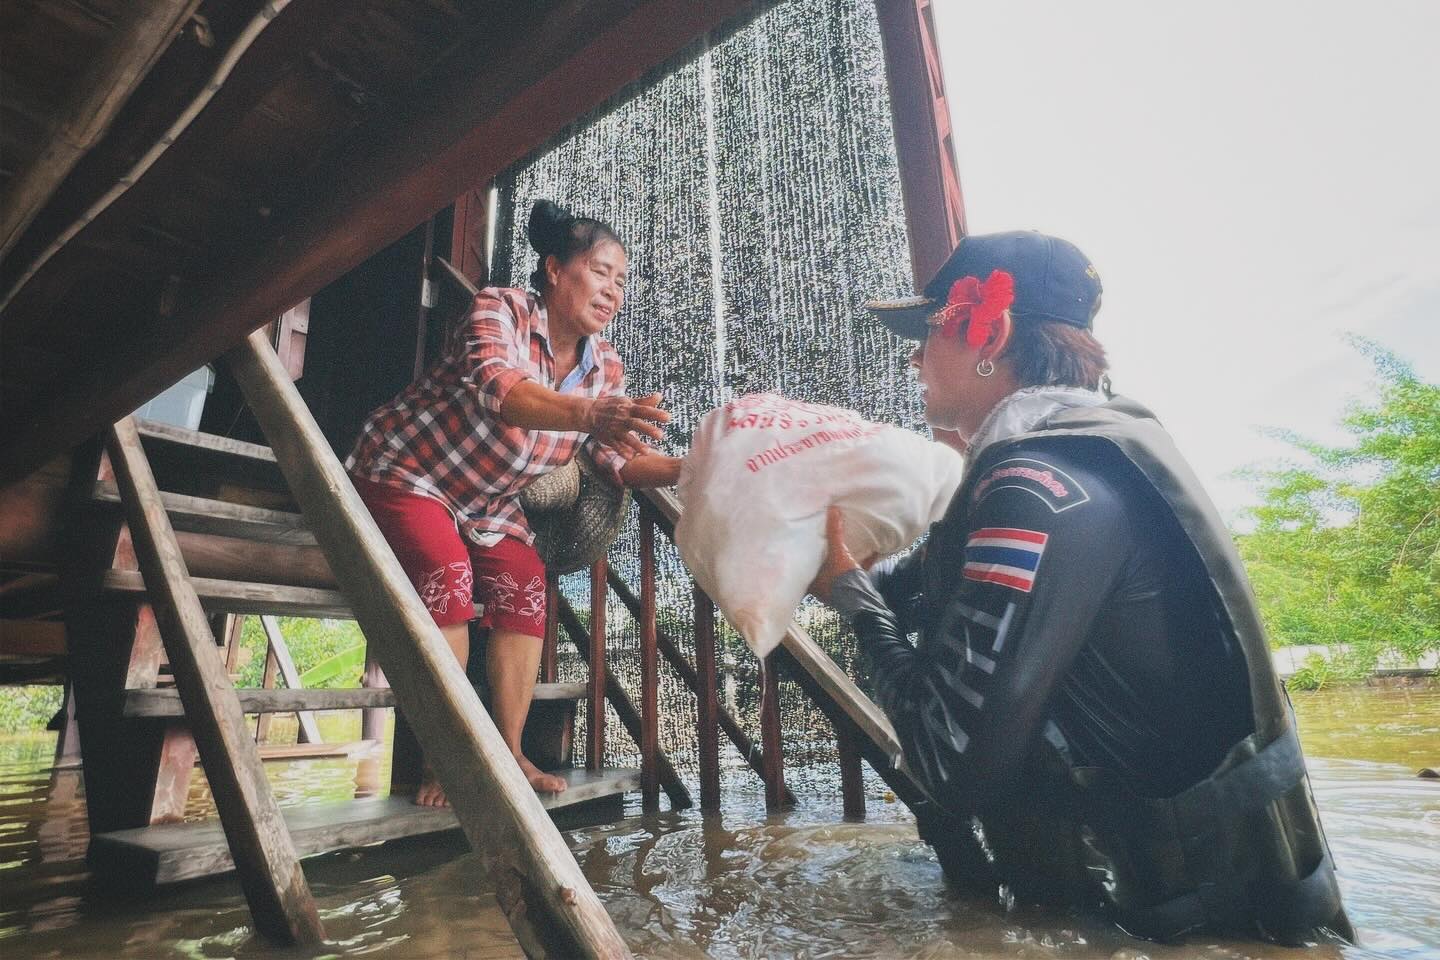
point(747, 748)
point(624, 708)
point(822, 680)
point(808, 656)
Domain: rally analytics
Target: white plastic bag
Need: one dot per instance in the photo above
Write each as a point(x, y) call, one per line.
point(755, 486)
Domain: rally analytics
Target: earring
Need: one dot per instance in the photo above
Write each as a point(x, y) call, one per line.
point(985, 368)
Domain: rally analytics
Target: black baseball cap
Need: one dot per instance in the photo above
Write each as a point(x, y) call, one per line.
point(1053, 281)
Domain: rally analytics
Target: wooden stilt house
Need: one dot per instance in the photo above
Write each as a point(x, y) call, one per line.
point(179, 177)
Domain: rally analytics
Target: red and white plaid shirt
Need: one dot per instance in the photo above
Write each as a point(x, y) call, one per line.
point(443, 438)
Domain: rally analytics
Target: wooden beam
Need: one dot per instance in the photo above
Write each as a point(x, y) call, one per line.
point(269, 868)
point(469, 250)
point(929, 178)
point(544, 895)
point(224, 519)
point(240, 597)
point(32, 638)
point(477, 122)
point(166, 703)
point(98, 97)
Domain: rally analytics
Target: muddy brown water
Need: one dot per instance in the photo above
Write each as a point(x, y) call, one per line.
point(801, 884)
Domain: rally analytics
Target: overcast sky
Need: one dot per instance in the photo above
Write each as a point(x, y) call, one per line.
point(1252, 180)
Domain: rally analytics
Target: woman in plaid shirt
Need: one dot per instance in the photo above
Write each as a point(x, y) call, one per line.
point(524, 384)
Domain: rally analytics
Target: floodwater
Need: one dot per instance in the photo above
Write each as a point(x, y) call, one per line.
point(741, 884)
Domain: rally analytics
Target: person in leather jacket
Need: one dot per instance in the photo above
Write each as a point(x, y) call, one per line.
point(1090, 706)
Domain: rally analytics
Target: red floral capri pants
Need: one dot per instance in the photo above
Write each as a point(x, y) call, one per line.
point(507, 581)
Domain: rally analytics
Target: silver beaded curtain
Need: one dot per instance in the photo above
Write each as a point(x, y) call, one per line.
point(757, 190)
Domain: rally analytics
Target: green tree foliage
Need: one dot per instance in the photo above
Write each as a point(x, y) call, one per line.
point(28, 709)
point(1346, 547)
point(336, 643)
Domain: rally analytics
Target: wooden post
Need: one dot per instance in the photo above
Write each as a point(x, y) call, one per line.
point(372, 719)
point(267, 682)
point(67, 744)
point(114, 645)
point(595, 728)
point(426, 301)
point(265, 859)
point(546, 898)
point(231, 627)
point(178, 751)
point(929, 179)
point(280, 650)
point(852, 784)
point(707, 701)
point(549, 664)
point(649, 667)
point(770, 735)
point(670, 780)
point(469, 251)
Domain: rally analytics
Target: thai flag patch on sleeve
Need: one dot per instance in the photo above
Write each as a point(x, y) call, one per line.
point(1004, 555)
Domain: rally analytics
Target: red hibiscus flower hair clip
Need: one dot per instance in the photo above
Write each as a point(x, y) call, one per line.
point(976, 305)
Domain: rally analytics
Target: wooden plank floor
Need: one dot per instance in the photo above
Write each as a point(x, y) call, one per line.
point(172, 852)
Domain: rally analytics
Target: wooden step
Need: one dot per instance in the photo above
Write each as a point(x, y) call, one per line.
point(173, 852)
point(234, 596)
point(213, 443)
point(224, 519)
point(165, 702)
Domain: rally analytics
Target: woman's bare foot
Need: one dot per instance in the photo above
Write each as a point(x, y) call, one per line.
point(540, 781)
point(430, 793)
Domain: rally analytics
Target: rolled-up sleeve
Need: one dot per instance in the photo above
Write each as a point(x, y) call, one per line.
point(606, 458)
point(496, 352)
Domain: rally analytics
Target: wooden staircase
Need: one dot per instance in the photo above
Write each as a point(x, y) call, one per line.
point(262, 544)
point(165, 852)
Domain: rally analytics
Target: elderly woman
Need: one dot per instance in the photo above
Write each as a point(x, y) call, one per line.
point(524, 385)
point(1091, 696)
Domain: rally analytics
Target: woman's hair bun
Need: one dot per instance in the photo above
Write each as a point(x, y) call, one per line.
point(549, 224)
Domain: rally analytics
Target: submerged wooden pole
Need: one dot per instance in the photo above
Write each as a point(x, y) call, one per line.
point(545, 897)
point(770, 734)
point(265, 858)
point(649, 667)
point(708, 701)
point(852, 782)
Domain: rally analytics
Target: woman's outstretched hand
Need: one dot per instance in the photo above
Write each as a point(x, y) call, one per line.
point(623, 422)
point(837, 557)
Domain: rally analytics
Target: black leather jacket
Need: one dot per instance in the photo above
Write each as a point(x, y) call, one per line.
point(1080, 693)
